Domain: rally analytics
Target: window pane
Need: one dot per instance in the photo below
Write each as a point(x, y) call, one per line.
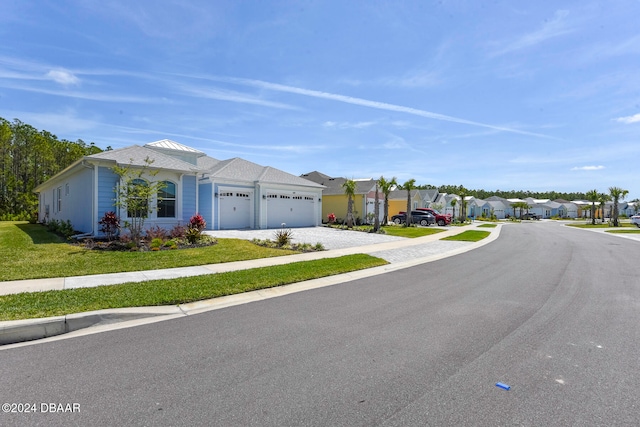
point(167, 200)
point(167, 209)
point(169, 191)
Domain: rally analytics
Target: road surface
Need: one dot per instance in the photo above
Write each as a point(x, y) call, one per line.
point(551, 311)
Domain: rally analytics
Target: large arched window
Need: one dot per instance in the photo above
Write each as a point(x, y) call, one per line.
point(167, 200)
point(137, 199)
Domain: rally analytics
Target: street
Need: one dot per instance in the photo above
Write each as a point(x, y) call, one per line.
point(551, 311)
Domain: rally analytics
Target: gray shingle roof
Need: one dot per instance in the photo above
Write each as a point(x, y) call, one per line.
point(136, 155)
point(243, 170)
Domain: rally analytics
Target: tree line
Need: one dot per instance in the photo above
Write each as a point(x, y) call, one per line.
point(28, 157)
point(510, 194)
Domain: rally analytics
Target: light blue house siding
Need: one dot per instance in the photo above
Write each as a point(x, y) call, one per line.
point(205, 194)
point(189, 199)
point(107, 182)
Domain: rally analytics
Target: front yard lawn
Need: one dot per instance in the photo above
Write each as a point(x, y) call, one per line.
point(30, 251)
point(487, 225)
point(175, 291)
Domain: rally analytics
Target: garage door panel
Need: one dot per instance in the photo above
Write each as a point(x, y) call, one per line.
point(235, 210)
point(293, 210)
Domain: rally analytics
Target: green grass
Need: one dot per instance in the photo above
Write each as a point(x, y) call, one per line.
point(487, 225)
point(468, 236)
point(29, 251)
point(624, 231)
point(175, 291)
point(599, 225)
point(410, 232)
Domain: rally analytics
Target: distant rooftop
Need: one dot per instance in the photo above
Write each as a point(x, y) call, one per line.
point(168, 144)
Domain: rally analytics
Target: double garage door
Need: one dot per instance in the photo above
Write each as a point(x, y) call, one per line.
point(292, 209)
point(236, 209)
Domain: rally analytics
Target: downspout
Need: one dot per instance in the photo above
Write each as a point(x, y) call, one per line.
point(258, 206)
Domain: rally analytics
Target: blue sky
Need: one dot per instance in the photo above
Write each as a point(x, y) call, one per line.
point(492, 95)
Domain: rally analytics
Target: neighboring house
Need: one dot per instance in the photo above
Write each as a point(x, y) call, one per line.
point(501, 207)
point(229, 194)
point(398, 201)
point(334, 200)
point(445, 199)
point(428, 197)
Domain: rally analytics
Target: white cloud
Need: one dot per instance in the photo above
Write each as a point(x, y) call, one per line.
point(587, 168)
point(63, 77)
point(366, 103)
point(629, 119)
point(552, 28)
point(348, 125)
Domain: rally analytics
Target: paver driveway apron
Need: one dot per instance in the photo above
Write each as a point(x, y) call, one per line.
point(331, 238)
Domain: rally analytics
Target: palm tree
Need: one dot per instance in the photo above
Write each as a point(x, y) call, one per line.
point(617, 194)
point(636, 205)
point(409, 186)
point(463, 204)
point(350, 190)
point(376, 209)
point(385, 187)
point(603, 199)
point(453, 205)
point(593, 197)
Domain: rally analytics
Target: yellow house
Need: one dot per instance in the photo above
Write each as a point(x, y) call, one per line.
point(334, 200)
point(398, 201)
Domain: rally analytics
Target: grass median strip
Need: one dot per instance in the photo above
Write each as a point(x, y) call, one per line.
point(487, 226)
point(468, 236)
point(176, 291)
point(410, 232)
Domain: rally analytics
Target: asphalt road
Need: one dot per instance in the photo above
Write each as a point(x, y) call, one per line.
point(551, 311)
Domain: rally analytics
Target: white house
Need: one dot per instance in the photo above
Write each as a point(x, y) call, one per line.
point(229, 194)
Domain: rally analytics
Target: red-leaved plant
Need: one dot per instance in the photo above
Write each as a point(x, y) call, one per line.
point(198, 222)
point(196, 225)
point(109, 224)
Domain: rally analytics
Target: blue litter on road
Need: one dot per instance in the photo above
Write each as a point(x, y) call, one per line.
point(503, 386)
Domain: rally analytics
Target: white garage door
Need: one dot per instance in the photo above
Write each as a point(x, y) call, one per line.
point(235, 209)
point(291, 209)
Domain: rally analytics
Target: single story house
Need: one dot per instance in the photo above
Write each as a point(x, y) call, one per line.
point(335, 201)
point(229, 194)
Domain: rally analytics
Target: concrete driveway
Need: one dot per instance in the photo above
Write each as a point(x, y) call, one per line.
point(331, 238)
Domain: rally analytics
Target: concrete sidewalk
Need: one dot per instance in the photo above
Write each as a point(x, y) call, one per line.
point(400, 254)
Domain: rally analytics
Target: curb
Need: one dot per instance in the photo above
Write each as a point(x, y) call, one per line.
point(16, 331)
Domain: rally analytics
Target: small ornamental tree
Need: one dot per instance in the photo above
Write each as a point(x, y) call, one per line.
point(137, 188)
point(110, 224)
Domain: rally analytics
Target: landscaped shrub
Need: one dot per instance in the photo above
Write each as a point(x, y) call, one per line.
point(197, 222)
point(63, 228)
point(156, 232)
point(283, 236)
point(110, 224)
point(192, 235)
point(178, 232)
point(156, 243)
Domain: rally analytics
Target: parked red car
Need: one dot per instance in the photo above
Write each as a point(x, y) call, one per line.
point(441, 219)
